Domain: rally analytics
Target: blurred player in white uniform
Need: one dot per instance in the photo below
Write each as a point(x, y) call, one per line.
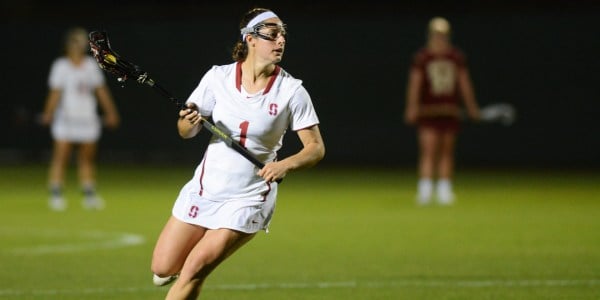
point(71, 110)
point(228, 199)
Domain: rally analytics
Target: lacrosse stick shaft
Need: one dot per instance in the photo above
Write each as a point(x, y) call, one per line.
point(233, 144)
point(210, 127)
point(165, 93)
point(112, 62)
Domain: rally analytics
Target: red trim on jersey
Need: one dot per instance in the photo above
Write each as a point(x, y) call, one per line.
point(202, 175)
point(267, 192)
point(272, 80)
point(238, 77)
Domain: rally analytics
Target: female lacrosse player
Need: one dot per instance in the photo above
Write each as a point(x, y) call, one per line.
point(438, 79)
point(71, 110)
point(228, 199)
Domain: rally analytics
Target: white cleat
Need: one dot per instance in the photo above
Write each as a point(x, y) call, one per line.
point(424, 191)
point(445, 197)
point(162, 281)
point(93, 203)
point(423, 200)
point(57, 203)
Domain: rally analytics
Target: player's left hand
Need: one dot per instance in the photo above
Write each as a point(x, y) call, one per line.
point(46, 119)
point(111, 121)
point(474, 115)
point(273, 171)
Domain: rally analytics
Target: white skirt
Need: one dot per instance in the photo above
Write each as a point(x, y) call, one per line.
point(247, 216)
point(87, 131)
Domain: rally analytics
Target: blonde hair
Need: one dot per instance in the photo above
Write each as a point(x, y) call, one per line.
point(439, 25)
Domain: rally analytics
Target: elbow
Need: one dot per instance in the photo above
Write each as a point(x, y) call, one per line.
point(319, 153)
point(322, 152)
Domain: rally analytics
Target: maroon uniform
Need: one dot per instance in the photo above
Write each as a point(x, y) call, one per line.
point(439, 92)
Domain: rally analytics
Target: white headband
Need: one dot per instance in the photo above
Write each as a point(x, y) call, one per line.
point(259, 18)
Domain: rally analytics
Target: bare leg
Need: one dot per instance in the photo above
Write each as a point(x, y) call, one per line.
point(56, 174)
point(446, 168)
point(212, 249)
point(174, 244)
point(428, 142)
point(60, 157)
point(86, 164)
point(446, 162)
point(87, 176)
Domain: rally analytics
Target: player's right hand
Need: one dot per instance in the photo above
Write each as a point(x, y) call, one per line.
point(190, 114)
point(45, 119)
point(410, 117)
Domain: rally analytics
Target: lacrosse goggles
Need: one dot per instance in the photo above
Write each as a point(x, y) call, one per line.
point(266, 31)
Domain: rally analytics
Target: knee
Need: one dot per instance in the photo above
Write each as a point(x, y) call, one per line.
point(160, 271)
point(447, 155)
point(163, 268)
point(198, 270)
point(428, 152)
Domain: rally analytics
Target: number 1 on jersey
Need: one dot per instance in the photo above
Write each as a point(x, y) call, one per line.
point(244, 127)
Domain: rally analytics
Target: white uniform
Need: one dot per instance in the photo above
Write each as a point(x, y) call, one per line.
point(76, 118)
point(225, 191)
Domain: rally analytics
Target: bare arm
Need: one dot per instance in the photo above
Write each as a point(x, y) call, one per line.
point(312, 152)
point(189, 124)
point(468, 95)
point(413, 93)
point(51, 103)
point(111, 115)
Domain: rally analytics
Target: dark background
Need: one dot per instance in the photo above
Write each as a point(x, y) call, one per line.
point(540, 56)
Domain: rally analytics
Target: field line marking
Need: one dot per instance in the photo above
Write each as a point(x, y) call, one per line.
point(97, 240)
point(323, 285)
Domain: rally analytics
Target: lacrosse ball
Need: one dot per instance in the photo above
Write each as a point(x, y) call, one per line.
point(110, 58)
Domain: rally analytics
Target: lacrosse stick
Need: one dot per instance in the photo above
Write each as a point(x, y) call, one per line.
point(498, 112)
point(502, 113)
point(112, 63)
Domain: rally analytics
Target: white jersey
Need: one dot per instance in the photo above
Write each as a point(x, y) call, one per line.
point(76, 117)
point(257, 121)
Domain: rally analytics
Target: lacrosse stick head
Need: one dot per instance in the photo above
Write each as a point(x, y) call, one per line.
point(110, 61)
point(499, 112)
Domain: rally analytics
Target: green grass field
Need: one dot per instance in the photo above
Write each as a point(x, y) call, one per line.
point(336, 234)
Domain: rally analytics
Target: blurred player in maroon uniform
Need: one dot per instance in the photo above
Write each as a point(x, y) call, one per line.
point(438, 81)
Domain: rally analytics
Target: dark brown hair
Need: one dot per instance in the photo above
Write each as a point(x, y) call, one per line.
point(240, 49)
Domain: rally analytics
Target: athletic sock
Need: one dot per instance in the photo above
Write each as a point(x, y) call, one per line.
point(55, 190)
point(91, 200)
point(424, 190)
point(89, 190)
point(56, 201)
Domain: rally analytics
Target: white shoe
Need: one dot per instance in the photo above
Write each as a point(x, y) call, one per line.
point(423, 200)
point(57, 203)
point(424, 191)
point(162, 281)
point(445, 198)
point(93, 203)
